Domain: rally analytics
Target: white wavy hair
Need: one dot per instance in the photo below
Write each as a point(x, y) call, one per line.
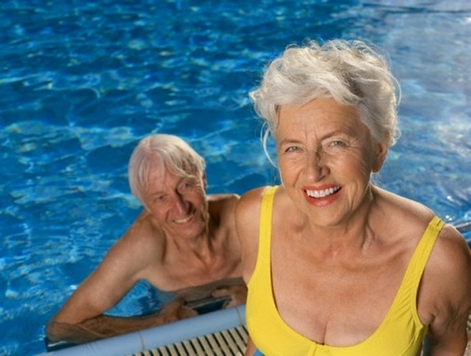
point(352, 73)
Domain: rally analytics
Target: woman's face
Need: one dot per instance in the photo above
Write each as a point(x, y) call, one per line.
point(326, 156)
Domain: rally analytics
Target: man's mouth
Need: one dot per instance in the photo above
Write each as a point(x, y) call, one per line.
point(322, 193)
point(185, 219)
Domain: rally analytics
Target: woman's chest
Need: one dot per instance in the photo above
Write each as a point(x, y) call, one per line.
point(332, 300)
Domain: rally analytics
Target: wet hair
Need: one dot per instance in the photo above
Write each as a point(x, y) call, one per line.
point(352, 73)
point(164, 152)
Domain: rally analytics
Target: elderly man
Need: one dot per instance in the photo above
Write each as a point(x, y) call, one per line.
point(183, 242)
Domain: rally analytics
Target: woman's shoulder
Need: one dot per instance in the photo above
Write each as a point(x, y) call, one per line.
point(255, 194)
point(402, 210)
point(413, 218)
point(249, 208)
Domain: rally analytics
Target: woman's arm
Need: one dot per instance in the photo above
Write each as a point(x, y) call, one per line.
point(251, 349)
point(448, 280)
point(247, 224)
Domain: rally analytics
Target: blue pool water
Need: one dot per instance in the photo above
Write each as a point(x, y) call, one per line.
point(81, 82)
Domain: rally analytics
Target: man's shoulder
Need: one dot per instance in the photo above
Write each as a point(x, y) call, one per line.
point(221, 204)
point(223, 198)
point(143, 235)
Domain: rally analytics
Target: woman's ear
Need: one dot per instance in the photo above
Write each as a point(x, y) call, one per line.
point(381, 155)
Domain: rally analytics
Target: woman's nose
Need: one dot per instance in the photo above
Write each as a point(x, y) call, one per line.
point(316, 167)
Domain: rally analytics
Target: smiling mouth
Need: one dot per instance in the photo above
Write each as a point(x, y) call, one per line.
point(322, 193)
point(184, 220)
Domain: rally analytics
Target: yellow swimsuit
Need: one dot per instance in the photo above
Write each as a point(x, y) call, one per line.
point(400, 334)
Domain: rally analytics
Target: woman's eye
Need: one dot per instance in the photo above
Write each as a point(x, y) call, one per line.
point(292, 149)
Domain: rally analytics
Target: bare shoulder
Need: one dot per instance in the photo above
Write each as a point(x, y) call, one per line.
point(451, 241)
point(247, 223)
point(407, 218)
point(248, 208)
point(223, 198)
point(444, 297)
point(222, 204)
point(251, 199)
point(402, 203)
point(451, 256)
point(142, 243)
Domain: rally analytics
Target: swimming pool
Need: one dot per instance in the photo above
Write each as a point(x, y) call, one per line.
point(82, 82)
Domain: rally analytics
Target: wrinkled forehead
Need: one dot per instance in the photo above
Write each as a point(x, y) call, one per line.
point(158, 179)
point(159, 171)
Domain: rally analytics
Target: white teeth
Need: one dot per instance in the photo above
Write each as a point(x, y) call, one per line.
point(184, 220)
point(321, 193)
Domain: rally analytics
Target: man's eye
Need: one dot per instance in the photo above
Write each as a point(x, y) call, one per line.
point(158, 201)
point(186, 186)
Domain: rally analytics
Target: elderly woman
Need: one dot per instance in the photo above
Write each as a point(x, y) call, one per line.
point(334, 264)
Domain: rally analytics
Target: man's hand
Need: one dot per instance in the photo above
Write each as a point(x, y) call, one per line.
point(237, 294)
point(176, 311)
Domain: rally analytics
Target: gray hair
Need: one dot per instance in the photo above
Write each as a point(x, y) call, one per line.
point(164, 152)
point(352, 73)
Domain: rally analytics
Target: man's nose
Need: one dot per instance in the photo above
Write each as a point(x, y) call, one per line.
point(179, 203)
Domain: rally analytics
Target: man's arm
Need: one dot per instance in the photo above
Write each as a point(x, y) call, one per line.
point(236, 294)
point(103, 326)
point(81, 318)
point(451, 287)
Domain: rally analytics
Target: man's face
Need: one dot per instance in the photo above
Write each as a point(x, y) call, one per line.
point(177, 203)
